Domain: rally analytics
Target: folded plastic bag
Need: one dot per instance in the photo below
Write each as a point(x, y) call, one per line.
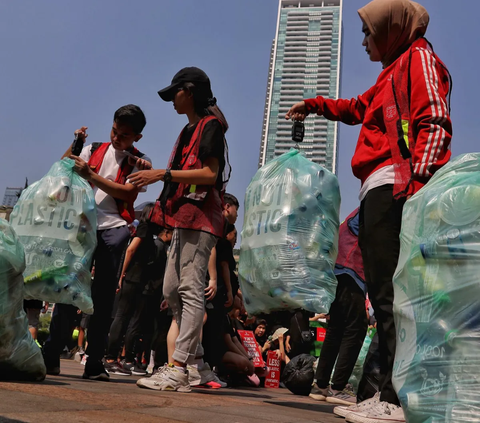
point(56, 221)
point(436, 286)
point(20, 357)
point(290, 236)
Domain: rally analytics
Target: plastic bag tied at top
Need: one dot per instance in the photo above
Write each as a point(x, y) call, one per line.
point(290, 236)
point(20, 357)
point(56, 221)
point(437, 287)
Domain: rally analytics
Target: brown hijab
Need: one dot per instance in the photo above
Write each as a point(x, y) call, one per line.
point(394, 25)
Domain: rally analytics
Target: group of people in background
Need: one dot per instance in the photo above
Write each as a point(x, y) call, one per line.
point(186, 306)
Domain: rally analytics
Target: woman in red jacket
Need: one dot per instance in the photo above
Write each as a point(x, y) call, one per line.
point(405, 137)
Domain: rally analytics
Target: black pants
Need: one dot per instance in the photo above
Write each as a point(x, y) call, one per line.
point(346, 332)
point(379, 240)
point(163, 320)
point(111, 244)
point(128, 320)
point(213, 333)
point(62, 325)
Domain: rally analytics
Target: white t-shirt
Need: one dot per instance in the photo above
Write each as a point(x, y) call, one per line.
point(383, 176)
point(108, 216)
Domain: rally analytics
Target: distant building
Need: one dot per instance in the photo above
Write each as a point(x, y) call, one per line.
point(304, 63)
point(11, 196)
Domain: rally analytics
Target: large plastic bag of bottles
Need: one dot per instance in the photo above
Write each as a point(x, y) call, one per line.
point(290, 236)
point(437, 290)
point(56, 221)
point(359, 364)
point(20, 357)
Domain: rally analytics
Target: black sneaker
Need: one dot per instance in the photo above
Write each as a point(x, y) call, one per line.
point(52, 365)
point(95, 371)
point(117, 368)
point(134, 368)
point(320, 394)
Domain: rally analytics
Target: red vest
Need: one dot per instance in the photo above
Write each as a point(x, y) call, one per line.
point(349, 253)
point(95, 163)
point(197, 207)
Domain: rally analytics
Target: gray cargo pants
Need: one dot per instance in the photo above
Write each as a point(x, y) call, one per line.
point(184, 288)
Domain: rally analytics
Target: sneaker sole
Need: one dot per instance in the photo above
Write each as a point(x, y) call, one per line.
point(182, 389)
point(341, 411)
point(139, 374)
point(318, 397)
point(339, 401)
point(120, 373)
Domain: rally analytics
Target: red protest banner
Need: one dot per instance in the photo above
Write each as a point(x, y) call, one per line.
point(321, 332)
point(251, 346)
point(273, 377)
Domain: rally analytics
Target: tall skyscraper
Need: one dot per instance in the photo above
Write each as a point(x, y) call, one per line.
point(11, 196)
point(304, 63)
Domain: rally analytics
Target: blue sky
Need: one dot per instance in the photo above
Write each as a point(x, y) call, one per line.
point(66, 64)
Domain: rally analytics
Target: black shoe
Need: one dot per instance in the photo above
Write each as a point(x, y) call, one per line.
point(52, 365)
point(134, 368)
point(117, 368)
point(95, 371)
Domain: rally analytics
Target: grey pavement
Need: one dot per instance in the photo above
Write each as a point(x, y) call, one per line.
point(69, 398)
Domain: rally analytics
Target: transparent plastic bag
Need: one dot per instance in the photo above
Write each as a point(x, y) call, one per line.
point(437, 286)
point(56, 221)
point(290, 236)
point(20, 357)
point(358, 369)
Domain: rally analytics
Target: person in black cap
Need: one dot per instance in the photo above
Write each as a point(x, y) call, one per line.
point(191, 203)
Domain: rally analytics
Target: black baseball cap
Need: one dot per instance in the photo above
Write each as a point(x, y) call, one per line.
point(191, 74)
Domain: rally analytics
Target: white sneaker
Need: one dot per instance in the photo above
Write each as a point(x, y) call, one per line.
point(200, 375)
point(166, 378)
point(383, 412)
point(360, 408)
point(84, 360)
point(79, 354)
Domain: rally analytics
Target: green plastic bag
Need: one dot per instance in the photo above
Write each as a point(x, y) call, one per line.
point(20, 357)
point(290, 237)
point(56, 221)
point(437, 286)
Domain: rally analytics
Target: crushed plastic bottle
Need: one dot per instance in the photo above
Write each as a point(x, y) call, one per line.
point(290, 236)
point(55, 219)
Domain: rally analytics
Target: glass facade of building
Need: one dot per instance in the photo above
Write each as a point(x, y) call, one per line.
point(304, 63)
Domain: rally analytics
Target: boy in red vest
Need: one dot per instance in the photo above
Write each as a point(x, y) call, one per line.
point(107, 167)
point(404, 139)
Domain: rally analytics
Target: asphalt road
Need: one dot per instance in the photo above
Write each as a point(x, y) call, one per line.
point(69, 398)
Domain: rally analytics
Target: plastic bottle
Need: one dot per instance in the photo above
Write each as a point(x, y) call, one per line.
point(458, 244)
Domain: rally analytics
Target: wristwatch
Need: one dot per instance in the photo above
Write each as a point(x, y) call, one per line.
point(167, 178)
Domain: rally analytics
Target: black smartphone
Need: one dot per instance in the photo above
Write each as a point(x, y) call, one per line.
point(77, 146)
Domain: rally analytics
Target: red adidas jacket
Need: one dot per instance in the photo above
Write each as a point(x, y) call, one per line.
point(429, 114)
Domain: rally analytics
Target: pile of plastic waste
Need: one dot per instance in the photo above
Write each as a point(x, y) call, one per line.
point(20, 357)
point(290, 236)
point(56, 221)
point(437, 286)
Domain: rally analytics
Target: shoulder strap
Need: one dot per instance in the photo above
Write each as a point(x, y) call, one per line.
point(95, 146)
